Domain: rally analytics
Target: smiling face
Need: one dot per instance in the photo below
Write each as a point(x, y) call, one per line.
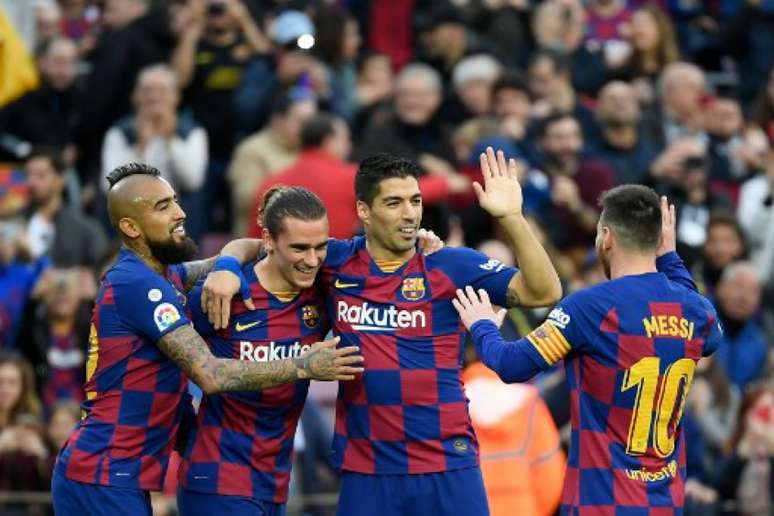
point(298, 251)
point(392, 220)
point(155, 217)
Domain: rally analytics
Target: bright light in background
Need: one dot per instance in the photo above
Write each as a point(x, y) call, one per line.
point(305, 42)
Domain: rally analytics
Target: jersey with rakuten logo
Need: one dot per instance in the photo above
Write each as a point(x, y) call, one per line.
point(407, 413)
point(241, 442)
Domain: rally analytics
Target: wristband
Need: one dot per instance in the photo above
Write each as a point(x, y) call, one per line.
point(232, 265)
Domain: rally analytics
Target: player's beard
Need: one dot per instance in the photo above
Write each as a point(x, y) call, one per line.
point(169, 251)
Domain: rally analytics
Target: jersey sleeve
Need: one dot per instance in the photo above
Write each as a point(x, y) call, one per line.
point(149, 306)
point(198, 317)
point(468, 267)
point(714, 333)
point(561, 333)
point(673, 267)
point(339, 250)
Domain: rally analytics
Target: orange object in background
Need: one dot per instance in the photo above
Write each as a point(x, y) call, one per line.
point(521, 461)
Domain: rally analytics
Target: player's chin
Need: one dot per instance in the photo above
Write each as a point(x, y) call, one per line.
point(303, 278)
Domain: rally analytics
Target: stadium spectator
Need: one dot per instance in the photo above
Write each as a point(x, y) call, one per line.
point(623, 142)
point(472, 80)
point(681, 95)
point(743, 349)
point(756, 216)
point(724, 123)
point(652, 47)
point(714, 402)
point(552, 91)
point(55, 332)
point(762, 110)
point(156, 134)
point(414, 131)
point(375, 84)
point(47, 114)
point(48, 19)
point(80, 22)
point(576, 184)
point(511, 106)
point(321, 168)
point(266, 153)
point(723, 245)
point(18, 399)
point(521, 460)
point(607, 20)
point(54, 229)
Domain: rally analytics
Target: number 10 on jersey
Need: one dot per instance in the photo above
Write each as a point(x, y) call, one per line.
point(643, 376)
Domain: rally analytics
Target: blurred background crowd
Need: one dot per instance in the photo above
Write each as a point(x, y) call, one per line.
point(229, 97)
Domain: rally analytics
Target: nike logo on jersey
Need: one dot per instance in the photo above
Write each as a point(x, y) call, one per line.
point(243, 327)
point(341, 284)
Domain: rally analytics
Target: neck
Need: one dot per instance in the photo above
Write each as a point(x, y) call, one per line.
point(50, 207)
point(631, 264)
point(61, 326)
point(380, 253)
point(606, 10)
point(696, 195)
point(620, 136)
point(225, 37)
point(143, 253)
point(271, 278)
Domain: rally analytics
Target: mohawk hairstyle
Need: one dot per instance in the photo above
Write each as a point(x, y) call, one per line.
point(131, 169)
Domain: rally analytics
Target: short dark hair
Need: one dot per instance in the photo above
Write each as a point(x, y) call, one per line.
point(560, 60)
point(375, 169)
point(553, 118)
point(280, 202)
point(510, 80)
point(317, 129)
point(131, 169)
point(53, 155)
point(634, 214)
point(724, 217)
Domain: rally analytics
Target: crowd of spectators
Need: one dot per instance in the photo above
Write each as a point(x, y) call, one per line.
point(229, 97)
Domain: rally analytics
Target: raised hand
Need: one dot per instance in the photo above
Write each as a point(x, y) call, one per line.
point(501, 194)
point(668, 241)
point(428, 241)
point(325, 362)
point(474, 307)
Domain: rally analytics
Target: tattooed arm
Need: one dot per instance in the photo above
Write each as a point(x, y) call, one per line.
point(243, 249)
point(190, 352)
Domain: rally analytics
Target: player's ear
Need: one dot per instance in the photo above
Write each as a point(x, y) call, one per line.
point(363, 212)
point(129, 227)
point(268, 241)
point(607, 237)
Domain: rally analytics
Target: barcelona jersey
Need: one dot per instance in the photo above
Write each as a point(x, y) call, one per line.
point(242, 441)
point(135, 396)
point(407, 413)
point(630, 348)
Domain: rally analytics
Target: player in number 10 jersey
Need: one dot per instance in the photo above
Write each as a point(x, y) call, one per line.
point(630, 347)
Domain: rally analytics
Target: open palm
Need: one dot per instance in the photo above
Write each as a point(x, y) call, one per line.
point(501, 194)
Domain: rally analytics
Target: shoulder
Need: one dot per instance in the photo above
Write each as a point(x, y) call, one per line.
point(340, 250)
point(456, 259)
point(186, 125)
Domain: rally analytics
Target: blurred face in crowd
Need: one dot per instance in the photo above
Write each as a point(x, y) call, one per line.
point(476, 96)
point(350, 40)
point(119, 13)
point(723, 118)
point(59, 65)
point(288, 125)
point(644, 31)
point(694, 173)
point(219, 18)
point(392, 220)
point(62, 296)
point(444, 38)
point(299, 250)
point(11, 385)
point(156, 94)
point(45, 183)
point(723, 245)
point(563, 141)
point(60, 425)
point(617, 105)
point(47, 20)
point(416, 99)
point(9, 233)
point(511, 103)
point(339, 144)
point(739, 295)
point(291, 63)
point(544, 81)
point(682, 89)
point(559, 24)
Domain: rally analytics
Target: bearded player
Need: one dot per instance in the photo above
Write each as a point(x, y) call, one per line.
point(142, 351)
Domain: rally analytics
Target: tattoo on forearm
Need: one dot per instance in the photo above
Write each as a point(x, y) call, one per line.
point(317, 364)
point(512, 299)
point(196, 270)
point(189, 351)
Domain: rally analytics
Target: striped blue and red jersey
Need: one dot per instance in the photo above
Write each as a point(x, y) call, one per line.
point(630, 348)
point(242, 442)
point(135, 396)
point(407, 413)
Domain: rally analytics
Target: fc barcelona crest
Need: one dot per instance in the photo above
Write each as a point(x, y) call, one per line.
point(310, 315)
point(413, 288)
